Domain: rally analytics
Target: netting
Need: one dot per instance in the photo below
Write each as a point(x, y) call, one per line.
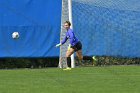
point(108, 27)
point(63, 49)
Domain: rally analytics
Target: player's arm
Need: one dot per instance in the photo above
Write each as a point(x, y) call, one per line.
point(72, 37)
point(62, 42)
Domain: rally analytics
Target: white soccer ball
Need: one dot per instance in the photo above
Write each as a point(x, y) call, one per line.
point(15, 35)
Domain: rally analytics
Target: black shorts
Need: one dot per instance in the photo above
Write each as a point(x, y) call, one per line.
point(77, 46)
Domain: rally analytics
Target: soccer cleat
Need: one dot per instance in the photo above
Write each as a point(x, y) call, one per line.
point(67, 68)
point(94, 58)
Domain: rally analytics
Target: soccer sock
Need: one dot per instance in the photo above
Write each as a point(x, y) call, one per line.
point(87, 58)
point(69, 61)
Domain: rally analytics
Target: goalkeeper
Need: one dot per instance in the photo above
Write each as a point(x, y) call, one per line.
point(76, 45)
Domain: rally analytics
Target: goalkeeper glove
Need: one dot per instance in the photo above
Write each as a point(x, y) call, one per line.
point(57, 45)
point(69, 47)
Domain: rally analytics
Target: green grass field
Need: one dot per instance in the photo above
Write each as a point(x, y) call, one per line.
point(113, 79)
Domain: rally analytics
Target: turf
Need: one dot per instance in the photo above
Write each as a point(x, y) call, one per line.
point(113, 79)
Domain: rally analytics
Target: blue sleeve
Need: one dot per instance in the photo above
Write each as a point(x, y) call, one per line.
point(64, 40)
point(72, 37)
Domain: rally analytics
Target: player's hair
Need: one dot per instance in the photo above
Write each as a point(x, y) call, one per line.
point(68, 22)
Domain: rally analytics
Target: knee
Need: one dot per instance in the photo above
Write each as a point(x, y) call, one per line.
point(68, 55)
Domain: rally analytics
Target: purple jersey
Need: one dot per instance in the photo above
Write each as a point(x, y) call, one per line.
point(70, 35)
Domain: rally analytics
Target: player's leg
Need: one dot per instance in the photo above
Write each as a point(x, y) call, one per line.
point(81, 57)
point(79, 54)
point(69, 52)
point(78, 49)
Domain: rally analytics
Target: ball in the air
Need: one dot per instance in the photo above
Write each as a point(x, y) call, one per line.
point(15, 35)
